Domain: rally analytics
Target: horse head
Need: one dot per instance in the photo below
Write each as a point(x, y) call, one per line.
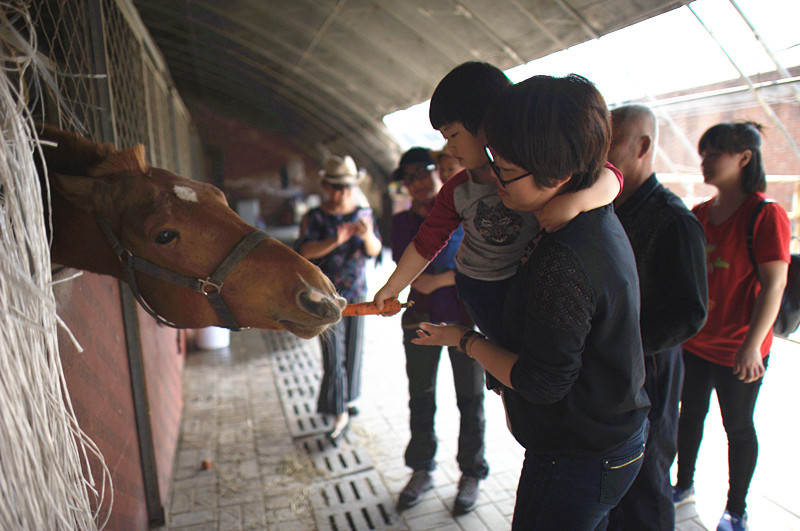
point(182, 227)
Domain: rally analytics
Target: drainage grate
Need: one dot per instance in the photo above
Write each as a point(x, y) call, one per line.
point(302, 418)
point(282, 343)
point(298, 393)
point(353, 498)
point(335, 458)
point(298, 386)
point(354, 502)
point(297, 360)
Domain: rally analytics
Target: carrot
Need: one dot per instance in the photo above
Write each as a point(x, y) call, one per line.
point(390, 307)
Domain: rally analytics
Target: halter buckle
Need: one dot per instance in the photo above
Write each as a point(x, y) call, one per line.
point(207, 287)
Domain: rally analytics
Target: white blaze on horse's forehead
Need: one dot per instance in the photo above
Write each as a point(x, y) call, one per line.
point(185, 193)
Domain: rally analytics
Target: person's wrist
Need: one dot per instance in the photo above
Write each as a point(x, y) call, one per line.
point(469, 337)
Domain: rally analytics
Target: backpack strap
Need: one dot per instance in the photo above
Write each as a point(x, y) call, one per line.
point(751, 225)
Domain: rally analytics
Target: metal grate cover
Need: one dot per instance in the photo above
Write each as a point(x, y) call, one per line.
point(353, 503)
point(336, 459)
point(353, 497)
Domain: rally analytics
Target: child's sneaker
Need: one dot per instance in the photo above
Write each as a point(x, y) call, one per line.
point(681, 496)
point(732, 522)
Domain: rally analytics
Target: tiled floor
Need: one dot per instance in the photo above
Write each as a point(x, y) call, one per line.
point(249, 415)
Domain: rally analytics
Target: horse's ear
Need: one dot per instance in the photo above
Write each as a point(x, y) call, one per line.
point(128, 160)
point(81, 191)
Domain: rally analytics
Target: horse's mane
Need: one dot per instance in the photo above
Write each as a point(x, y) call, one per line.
point(75, 155)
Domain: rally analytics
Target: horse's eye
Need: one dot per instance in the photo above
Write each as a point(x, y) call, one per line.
point(166, 236)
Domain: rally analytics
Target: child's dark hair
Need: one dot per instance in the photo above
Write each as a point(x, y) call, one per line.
point(737, 137)
point(465, 95)
point(553, 127)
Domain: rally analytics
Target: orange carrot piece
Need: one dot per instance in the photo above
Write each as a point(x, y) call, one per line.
point(390, 307)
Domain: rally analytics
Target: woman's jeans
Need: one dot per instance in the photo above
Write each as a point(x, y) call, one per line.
point(737, 403)
point(557, 492)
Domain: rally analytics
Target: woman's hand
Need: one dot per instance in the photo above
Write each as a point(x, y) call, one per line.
point(748, 365)
point(441, 334)
point(362, 226)
point(344, 232)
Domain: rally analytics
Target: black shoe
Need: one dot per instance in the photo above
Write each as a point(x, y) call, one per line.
point(353, 410)
point(467, 496)
point(421, 480)
point(341, 425)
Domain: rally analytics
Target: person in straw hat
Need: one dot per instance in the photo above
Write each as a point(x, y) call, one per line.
point(340, 236)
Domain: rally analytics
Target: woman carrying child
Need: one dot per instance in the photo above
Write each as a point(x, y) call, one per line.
point(571, 363)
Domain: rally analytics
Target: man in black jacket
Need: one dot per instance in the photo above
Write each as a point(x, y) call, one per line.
point(669, 245)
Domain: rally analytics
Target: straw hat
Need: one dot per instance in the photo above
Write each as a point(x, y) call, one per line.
point(341, 171)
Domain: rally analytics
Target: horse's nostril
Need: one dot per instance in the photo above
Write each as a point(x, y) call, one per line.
point(323, 307)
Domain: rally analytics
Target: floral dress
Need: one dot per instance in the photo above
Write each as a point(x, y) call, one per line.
point(345, 265)
point(342, 343)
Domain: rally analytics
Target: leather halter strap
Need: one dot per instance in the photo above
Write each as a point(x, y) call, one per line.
point(211, 286)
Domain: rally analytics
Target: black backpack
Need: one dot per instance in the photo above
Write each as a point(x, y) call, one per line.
point(789, 315)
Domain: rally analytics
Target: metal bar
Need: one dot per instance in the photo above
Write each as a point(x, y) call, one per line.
point(764, 105)
point(767, 49)
point(100, 62)
point(587, 29)
point(141, 407)
point(540, 26)
point(155, 510)
point(724, 91)
point(487, 29)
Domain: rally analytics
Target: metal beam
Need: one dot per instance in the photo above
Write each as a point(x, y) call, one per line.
point(764, 105)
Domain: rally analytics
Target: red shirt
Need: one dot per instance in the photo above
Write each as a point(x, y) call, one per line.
point(732, 282)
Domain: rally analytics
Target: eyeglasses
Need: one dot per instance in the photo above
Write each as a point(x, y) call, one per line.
point(415, 172)
point(496, 169)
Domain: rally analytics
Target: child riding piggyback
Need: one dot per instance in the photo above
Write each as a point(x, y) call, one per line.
point(495, 236)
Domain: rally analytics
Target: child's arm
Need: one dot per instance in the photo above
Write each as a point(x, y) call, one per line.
point(564, 207)
point(409, 267)
point(429, 282)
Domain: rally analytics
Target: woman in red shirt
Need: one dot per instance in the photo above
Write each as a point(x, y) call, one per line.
point(730, 352)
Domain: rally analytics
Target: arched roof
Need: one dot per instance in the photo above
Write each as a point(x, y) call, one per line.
point(324, 72)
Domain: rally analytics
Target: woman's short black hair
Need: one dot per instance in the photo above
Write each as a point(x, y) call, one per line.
point(465, 94)
point(737, 137)
point(553, 127)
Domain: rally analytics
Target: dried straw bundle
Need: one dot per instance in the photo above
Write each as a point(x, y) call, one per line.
point(45, 478)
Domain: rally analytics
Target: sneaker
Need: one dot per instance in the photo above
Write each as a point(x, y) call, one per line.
point(732, 522)
point(682, 496)
point(467, 496)
point(421, 480)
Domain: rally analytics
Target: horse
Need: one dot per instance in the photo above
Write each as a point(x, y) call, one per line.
point(191, 261)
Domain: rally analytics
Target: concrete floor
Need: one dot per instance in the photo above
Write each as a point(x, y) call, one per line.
point(249, 413)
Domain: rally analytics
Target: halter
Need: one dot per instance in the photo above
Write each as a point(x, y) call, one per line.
point(210, 286)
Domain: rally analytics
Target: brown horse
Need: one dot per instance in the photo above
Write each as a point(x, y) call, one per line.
point(193, 261)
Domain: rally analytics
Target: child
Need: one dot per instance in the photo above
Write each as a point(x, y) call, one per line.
point(446, 164)
point(495, 236)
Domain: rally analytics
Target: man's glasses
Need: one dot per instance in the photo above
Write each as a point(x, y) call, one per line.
point(415, 172)
point(496, 169)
